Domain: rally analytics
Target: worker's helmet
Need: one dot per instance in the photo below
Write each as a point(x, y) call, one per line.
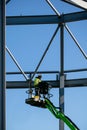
point(39, 76)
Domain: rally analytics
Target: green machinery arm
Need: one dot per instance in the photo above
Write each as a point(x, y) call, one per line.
point(58, 114)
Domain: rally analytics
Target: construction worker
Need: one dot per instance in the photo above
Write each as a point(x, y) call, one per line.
point(37, 82)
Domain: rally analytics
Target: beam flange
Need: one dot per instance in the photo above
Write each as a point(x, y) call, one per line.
point(46, 19)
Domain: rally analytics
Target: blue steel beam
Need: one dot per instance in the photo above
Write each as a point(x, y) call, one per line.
point(54, 83)
point(2, 67)
point(46, 19)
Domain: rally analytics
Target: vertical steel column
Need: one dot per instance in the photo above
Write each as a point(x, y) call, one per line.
point(2, 65)
point(61, 89)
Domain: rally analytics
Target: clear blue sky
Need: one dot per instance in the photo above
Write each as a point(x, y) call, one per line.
point(27, 43)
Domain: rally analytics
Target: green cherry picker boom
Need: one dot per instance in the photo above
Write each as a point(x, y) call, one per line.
point(42, 101)
point(59, 115)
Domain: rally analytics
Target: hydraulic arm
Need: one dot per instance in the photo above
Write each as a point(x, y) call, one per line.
point(60, 115)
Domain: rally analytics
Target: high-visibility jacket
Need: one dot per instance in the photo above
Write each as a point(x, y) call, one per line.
point(36, 81)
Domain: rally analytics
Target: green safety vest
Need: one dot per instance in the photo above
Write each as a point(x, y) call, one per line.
point(36, 81)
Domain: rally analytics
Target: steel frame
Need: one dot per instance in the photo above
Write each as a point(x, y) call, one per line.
point(24, 20)
point(61, 20)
